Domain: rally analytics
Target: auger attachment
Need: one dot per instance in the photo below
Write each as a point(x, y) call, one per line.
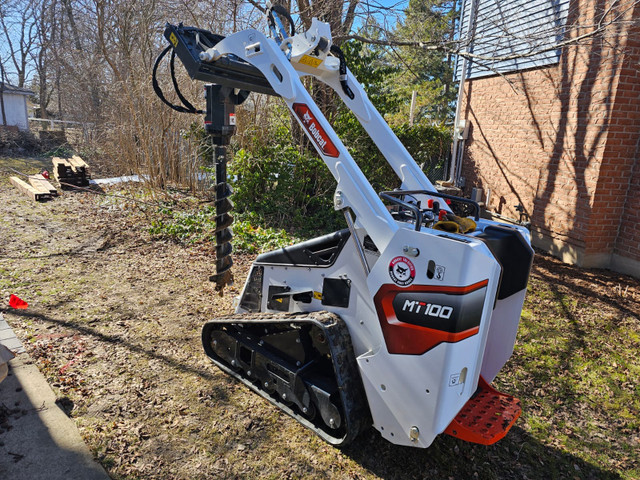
point(220, 124)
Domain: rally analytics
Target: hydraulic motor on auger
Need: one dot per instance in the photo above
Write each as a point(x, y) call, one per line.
point(403, 319)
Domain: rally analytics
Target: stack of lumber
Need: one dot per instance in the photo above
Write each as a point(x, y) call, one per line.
point(38, 187)
point(42, 184)
point(71, 171)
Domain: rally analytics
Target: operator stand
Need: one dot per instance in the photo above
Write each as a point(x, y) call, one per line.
point(220, 124)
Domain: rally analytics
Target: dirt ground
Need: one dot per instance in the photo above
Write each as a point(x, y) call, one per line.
point(114, 322)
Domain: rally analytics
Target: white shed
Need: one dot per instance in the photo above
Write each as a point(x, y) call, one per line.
point(15, 106)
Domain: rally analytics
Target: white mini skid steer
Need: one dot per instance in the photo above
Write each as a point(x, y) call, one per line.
point(401, 320)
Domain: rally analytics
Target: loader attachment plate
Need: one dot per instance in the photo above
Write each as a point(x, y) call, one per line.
point(303, 363)
point(486, 417)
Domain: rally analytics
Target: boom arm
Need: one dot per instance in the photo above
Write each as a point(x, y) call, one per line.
point(356, 192)
point(250, 60)
point(403, 164)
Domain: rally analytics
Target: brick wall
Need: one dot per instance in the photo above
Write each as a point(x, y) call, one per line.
point(562, 141)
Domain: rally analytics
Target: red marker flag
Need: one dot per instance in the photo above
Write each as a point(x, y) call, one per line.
point(16, 302)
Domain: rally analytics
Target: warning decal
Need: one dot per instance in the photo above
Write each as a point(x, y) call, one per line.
point(311, 61)
point(402, 271)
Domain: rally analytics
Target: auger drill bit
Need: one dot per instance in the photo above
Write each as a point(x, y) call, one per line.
point(224, 262)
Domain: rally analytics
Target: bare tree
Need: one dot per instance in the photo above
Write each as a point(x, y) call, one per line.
point(19, 26)
point(2, 83)
point(47, 27)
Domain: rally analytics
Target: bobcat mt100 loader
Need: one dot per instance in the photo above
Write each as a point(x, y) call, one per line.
point(401, 320)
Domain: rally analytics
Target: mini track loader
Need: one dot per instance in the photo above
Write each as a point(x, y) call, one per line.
point(401, 320)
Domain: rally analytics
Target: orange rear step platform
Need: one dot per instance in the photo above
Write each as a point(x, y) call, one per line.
point(486, 417)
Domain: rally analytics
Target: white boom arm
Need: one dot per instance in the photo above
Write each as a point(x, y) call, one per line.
point(411, 175)
point(353, 190)
point(357, 193)
point(403, 164)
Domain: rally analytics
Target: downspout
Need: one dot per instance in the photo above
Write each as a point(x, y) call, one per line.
point(457, 131)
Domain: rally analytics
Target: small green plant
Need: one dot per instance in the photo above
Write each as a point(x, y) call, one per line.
point(252, 239)
point(197, 226)
point(64, 151)
point(184, 226)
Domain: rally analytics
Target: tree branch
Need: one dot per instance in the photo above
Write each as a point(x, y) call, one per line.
point(461, 46)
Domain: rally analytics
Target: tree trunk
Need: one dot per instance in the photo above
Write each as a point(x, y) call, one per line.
point(4, 116)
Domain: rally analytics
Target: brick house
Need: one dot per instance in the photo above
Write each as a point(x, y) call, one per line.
point(559, 134)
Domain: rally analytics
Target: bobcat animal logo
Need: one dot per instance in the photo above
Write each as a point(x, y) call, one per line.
point(402, 271)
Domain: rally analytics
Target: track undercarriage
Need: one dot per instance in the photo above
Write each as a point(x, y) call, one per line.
point(303, 363)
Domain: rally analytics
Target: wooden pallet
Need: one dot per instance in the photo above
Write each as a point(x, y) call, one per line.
point(71, 172)
point(29, 190)
point(42, 184)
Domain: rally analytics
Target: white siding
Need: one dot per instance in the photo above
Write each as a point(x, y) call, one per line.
point(15, 109)
point(504, 28)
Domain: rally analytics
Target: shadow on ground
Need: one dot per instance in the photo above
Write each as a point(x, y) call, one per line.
point(38, 441)
point(518, 456)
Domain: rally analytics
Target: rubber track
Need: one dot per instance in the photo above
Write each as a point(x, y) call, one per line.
point(355, 409)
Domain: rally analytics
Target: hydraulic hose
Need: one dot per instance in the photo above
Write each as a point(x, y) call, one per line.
point(187, 108)
point(342, 71)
